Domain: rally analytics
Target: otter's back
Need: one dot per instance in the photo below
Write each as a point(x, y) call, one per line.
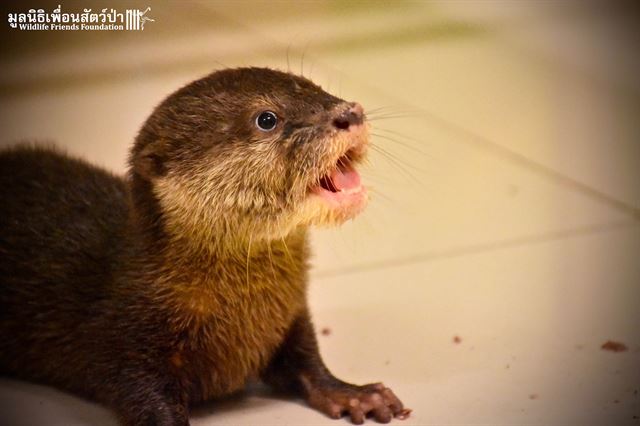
point(60, 230)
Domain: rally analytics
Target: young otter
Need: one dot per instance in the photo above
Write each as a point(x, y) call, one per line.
point(181, 282)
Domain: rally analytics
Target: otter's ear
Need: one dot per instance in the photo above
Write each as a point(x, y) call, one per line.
point(149, 162)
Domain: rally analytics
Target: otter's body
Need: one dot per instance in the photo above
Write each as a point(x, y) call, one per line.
point(186, 279)
point(77, 285)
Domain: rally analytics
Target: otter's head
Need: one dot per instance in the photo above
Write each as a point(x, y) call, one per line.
point(252, 152)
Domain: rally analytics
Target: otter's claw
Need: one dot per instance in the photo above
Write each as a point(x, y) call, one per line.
point(359, 402)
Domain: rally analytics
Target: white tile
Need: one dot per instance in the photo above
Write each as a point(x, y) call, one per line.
point(521, 314)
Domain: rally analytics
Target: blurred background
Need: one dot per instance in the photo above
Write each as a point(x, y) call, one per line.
point(501, 247)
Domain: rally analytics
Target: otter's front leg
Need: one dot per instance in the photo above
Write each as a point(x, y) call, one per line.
point(297, 366)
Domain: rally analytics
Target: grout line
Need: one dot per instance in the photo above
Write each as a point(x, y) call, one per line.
point(475, 249)
point(472, 138)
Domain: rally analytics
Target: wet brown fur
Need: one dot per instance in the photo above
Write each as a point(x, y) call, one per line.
point(188, 278)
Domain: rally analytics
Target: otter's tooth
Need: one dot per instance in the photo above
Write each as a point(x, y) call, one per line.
point(351, 190)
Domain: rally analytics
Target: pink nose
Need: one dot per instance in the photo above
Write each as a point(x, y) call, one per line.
point(351, 116)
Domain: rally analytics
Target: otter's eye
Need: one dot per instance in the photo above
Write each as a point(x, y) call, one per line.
point(266, 121)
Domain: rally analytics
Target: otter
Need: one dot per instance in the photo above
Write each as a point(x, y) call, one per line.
point(187, 278)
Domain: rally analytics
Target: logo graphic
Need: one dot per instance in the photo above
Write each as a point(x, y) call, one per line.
point(136, 19)
point(104, 20)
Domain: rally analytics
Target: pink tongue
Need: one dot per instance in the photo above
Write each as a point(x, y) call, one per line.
point(345, 178)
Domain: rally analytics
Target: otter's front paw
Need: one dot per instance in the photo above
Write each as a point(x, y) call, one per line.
point(373, 400)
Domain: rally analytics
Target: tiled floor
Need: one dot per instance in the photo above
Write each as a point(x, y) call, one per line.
point(505, 211)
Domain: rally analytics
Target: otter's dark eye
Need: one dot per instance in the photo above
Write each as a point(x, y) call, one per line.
point(266, 121)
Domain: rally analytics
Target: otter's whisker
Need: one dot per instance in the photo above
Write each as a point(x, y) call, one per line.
point(311, 69)
point(303, 161)
point(395, 163)
point(386, 114)
point(248, 256)
point(382, 108)
point(304, 51)
point(402, 135)
point(385, 197)
point(286, 250)
point(273, 271)
point(396, 109)
point(396, 158)
point(406, 145)
point(389, 117)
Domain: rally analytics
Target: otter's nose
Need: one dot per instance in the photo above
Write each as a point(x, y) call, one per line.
point(352, 116)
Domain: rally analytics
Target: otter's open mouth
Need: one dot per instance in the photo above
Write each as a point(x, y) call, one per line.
point(341, 186)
